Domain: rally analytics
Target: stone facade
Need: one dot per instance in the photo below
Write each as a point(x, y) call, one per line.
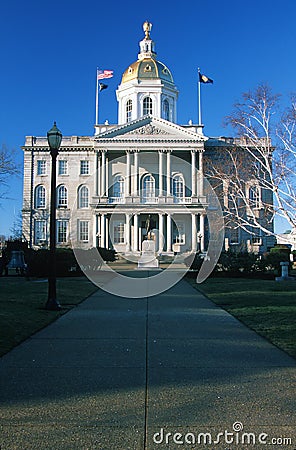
point(144, 174)
point(109, 185)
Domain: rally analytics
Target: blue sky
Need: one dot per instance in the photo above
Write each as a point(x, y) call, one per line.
point(50, 50)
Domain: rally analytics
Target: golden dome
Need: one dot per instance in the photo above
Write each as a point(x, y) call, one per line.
point(147, 69)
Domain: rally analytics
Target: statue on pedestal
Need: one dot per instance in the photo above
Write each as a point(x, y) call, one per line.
point(148, 259)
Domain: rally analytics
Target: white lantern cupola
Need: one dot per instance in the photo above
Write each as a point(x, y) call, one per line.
point(147, 86)
point(147, 46)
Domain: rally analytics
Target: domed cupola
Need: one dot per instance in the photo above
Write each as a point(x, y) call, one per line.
point(147, 86)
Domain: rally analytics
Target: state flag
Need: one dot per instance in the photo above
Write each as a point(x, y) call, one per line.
point(204, 79)
point(102, 86)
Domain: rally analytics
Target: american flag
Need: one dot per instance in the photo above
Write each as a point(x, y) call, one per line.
point(104, 74)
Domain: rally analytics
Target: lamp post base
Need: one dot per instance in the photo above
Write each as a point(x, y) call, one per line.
point(53, 305)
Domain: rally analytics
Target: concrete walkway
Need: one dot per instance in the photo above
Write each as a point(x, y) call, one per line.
point(119, 374)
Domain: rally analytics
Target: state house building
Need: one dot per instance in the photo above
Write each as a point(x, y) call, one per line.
point(143, 174)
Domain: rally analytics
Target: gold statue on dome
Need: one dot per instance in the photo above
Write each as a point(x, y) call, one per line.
point(147, 28)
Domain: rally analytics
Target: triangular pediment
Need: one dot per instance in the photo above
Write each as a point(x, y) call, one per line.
point(151, 128)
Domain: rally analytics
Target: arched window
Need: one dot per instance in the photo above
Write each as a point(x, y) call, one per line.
point(148, 187)
point(178, 187)
point(40, 199)
point(166, 110)
point(118, 187)
point(129, 109)
point(147, 106)
point(62, 197)
point(83, 197)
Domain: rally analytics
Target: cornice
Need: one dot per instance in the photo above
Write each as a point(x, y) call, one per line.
point(155, 125)
point(138, 141)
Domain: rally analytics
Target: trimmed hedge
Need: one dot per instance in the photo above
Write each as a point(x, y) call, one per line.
point(38, 262)
point(243, 263)
point(66, 263)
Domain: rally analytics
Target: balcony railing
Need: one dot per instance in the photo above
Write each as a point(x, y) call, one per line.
point(116, 199)
point(148, 200)
point(153, 200)
point(182, 200)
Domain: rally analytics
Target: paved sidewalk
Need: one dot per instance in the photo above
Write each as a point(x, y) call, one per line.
point(119, 374)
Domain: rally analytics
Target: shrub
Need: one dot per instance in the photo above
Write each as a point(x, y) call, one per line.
point(107, 254)
point(238, 263)
point(38, 263)
point(274, 258)
point(193, 261)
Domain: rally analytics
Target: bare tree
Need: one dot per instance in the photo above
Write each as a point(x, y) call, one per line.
point(255, 175)
point(7, 168)
point(17, 228)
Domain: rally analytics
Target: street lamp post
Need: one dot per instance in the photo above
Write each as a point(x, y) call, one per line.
point(199, 237)
point(54, 137)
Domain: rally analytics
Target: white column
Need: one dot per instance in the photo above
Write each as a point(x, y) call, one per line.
point(98, 175)
point(200, 174)
point(103, 173)
point(136, 233)
point(202, 232)
point(128, 174)
point(169, 233)
point(160, 234)
point(127, 232)
point(193, 233)
point(95, 176)
point(136, 175)
point(160, 172)
point(193, 173)
point(168, 174)
point(95, 230)
point(140, 238)
point(107, 177)
point(102, 230)
point(107, 220)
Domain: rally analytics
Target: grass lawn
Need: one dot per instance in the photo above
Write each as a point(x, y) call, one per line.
point(266, 306)
point(22, 303)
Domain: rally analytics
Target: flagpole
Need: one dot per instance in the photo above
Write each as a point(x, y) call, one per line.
point(199, 99)
point(97, 100)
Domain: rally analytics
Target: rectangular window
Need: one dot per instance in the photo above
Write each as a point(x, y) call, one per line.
point(256, 240)
point(63, 167)
point(62, 231)
point(119, 233)
point(40, 232)
point(83, 230)
point(84, 167)
point(254, 196)
point(234, 236)
point(41, 167)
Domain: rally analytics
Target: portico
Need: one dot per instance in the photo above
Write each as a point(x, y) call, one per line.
point(171, 231)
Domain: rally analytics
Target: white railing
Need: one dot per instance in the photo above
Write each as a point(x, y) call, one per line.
point(182, 200)
point(147, 200)
point(152, 200)
point(116, 199)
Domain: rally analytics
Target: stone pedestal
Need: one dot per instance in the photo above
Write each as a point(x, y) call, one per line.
point(285, 272)
point(148, 259)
